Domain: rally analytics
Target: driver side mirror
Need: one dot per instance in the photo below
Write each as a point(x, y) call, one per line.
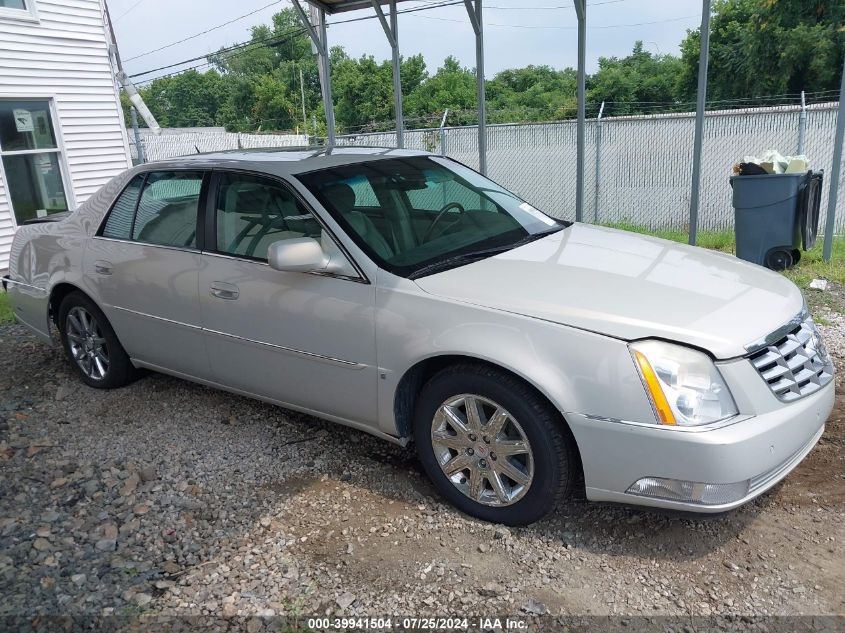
point(301, 254)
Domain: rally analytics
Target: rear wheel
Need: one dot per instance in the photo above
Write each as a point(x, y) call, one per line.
point(493, 446)
point(91, 344)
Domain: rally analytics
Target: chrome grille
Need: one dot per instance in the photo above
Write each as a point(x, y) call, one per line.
point(796, 364)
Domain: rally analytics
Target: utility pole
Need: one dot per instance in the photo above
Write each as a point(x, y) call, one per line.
point(126, 82)
point(115, 52)
point(139, 148)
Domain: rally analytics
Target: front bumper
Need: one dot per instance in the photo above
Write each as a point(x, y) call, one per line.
point(760, 450)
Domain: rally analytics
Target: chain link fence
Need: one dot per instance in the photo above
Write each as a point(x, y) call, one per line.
point(638, 168)
point(174, 143)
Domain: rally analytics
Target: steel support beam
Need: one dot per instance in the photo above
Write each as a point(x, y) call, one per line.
point(319, 38)
point(703, 60)
point(443, 132)
point(802, 124)
point(392, 32)
point(835, 173)
point(475, 17)
point(598, 166)
point(581, 12)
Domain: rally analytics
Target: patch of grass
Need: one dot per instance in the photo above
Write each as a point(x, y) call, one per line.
point(6, 315)
point(716, 240)
point(811, 266)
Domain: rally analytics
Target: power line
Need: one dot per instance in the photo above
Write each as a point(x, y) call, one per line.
point(434, 5)
point(273, 40)
point(208, 64)
point(196, 35)
point(427, 7)
point(269, 41)
point(129, 10)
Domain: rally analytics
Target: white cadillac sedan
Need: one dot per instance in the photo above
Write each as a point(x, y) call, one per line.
point(405, 295)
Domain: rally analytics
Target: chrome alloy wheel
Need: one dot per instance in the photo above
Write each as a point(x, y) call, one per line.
point(87, 344)
point(482, 450)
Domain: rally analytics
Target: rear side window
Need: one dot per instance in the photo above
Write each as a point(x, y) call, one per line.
point(167, 211)
point(119, 223)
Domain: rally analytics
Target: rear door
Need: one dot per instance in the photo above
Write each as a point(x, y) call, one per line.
point(144, 264)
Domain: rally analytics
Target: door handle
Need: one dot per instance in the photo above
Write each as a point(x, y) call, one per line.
point(102, 267)
point(222, 290)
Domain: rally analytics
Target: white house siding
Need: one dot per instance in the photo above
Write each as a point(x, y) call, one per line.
point(65, 56)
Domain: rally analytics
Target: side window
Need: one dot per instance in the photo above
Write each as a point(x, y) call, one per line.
point(253, 212)
point(167, 212)
point(119, 223)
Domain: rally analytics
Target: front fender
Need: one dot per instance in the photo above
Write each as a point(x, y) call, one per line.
point(578, 371)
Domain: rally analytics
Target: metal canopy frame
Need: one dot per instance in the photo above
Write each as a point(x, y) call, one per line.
point(315, 25)
point(581, 12)
point(341, 6)
point(316, 28)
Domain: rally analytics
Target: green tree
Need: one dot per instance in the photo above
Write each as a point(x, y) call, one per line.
point(266, 79)
point(532, 93)
point(452, 87)
point(363, 90)
point(768, 47)
point(189, 99)
point(636, 83)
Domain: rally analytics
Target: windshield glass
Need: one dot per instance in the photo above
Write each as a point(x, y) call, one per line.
point(409, 214)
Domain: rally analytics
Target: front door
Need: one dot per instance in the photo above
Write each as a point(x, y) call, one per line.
point(304, 339)
point(144, 265)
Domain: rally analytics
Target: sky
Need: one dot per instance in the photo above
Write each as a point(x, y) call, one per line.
point(516, 33)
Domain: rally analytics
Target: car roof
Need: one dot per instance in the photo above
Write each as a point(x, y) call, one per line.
point(283, 161)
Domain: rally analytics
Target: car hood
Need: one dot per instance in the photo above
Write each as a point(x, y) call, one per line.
point(629, 286)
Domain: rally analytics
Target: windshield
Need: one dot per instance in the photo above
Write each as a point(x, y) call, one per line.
point(410, 214)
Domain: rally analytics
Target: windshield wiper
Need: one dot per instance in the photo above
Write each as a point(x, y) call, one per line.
point(471, 256)
point(455, 261)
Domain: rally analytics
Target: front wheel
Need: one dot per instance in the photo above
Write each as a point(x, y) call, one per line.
point(493, 446)
point(91, 344)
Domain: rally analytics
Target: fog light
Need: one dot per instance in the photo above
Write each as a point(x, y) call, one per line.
point(689, 491)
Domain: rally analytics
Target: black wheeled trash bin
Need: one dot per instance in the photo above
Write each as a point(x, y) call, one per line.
point(775, 215)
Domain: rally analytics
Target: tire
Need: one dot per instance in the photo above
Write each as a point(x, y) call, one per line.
point(114, 368)
point(551, 459)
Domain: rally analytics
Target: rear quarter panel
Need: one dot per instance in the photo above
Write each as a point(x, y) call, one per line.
point(46, 254)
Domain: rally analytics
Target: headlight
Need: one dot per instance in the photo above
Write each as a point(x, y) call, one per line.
point(683, 384)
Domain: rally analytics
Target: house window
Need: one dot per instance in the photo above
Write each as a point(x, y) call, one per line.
point(32, 161)
point(18, 9)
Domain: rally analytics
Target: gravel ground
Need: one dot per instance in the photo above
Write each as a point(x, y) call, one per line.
point(169, 498)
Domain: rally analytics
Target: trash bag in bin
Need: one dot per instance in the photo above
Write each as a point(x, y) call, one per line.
point(809, 205)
